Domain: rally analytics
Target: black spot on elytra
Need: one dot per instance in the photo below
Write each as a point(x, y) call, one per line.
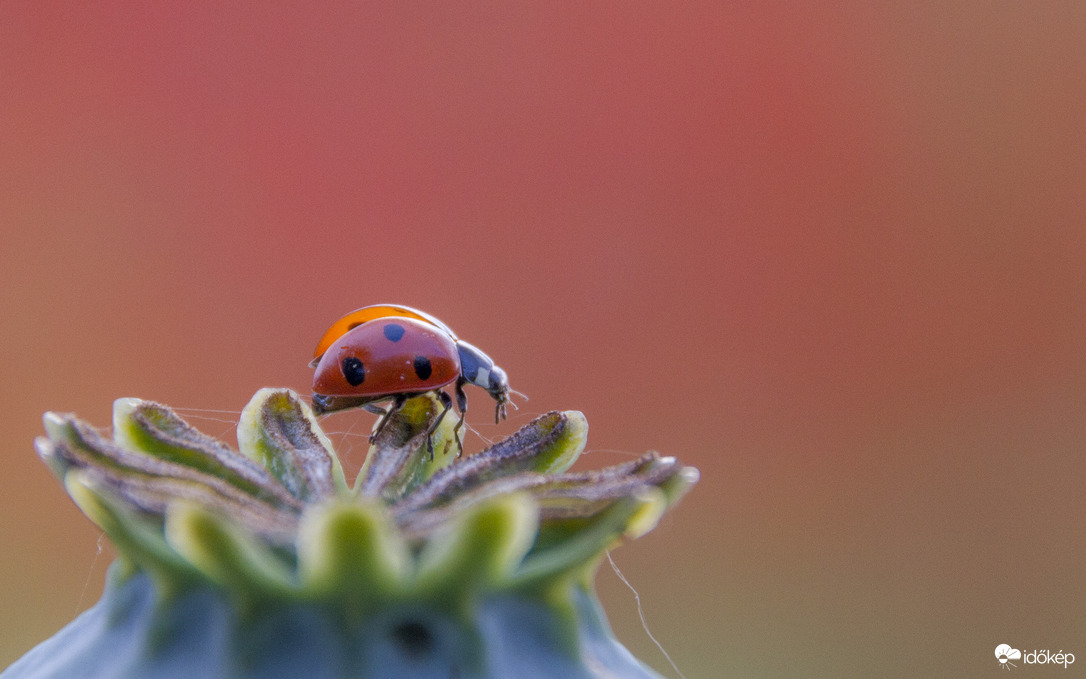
point(422, 367)
point(414, 638)
point(353, 371)
point(393, 331)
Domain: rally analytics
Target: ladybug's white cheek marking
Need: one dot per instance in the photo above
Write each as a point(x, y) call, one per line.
point(482, 378)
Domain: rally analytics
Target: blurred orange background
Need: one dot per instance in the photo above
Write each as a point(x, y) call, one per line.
point(831, 255)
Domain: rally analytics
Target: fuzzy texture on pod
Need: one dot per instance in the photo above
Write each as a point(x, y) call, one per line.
point(267, 563)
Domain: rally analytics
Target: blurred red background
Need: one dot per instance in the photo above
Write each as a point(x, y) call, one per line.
point(832, 256)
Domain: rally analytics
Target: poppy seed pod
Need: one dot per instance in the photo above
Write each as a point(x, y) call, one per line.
point(266, 562)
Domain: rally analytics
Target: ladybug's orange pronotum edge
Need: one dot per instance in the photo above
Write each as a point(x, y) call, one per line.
point(388, 351)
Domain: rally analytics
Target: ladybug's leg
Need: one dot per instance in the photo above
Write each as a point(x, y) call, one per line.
point(321, 404)
point(383, 422)
point(462, 406)
point(447, 402)
point(377, 410)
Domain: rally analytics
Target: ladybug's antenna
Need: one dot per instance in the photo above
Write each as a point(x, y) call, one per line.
point(505, 399)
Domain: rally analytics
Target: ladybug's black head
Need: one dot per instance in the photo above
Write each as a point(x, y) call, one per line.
point(499, 389)
point(498, 384)
point(479, 369)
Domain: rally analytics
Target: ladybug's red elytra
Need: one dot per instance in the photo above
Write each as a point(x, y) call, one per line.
point(388, 351)
point(370, 313)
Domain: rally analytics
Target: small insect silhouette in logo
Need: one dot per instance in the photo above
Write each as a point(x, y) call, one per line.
point(1005, 654)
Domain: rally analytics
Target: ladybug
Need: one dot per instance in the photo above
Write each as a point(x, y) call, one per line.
point(388, 351)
